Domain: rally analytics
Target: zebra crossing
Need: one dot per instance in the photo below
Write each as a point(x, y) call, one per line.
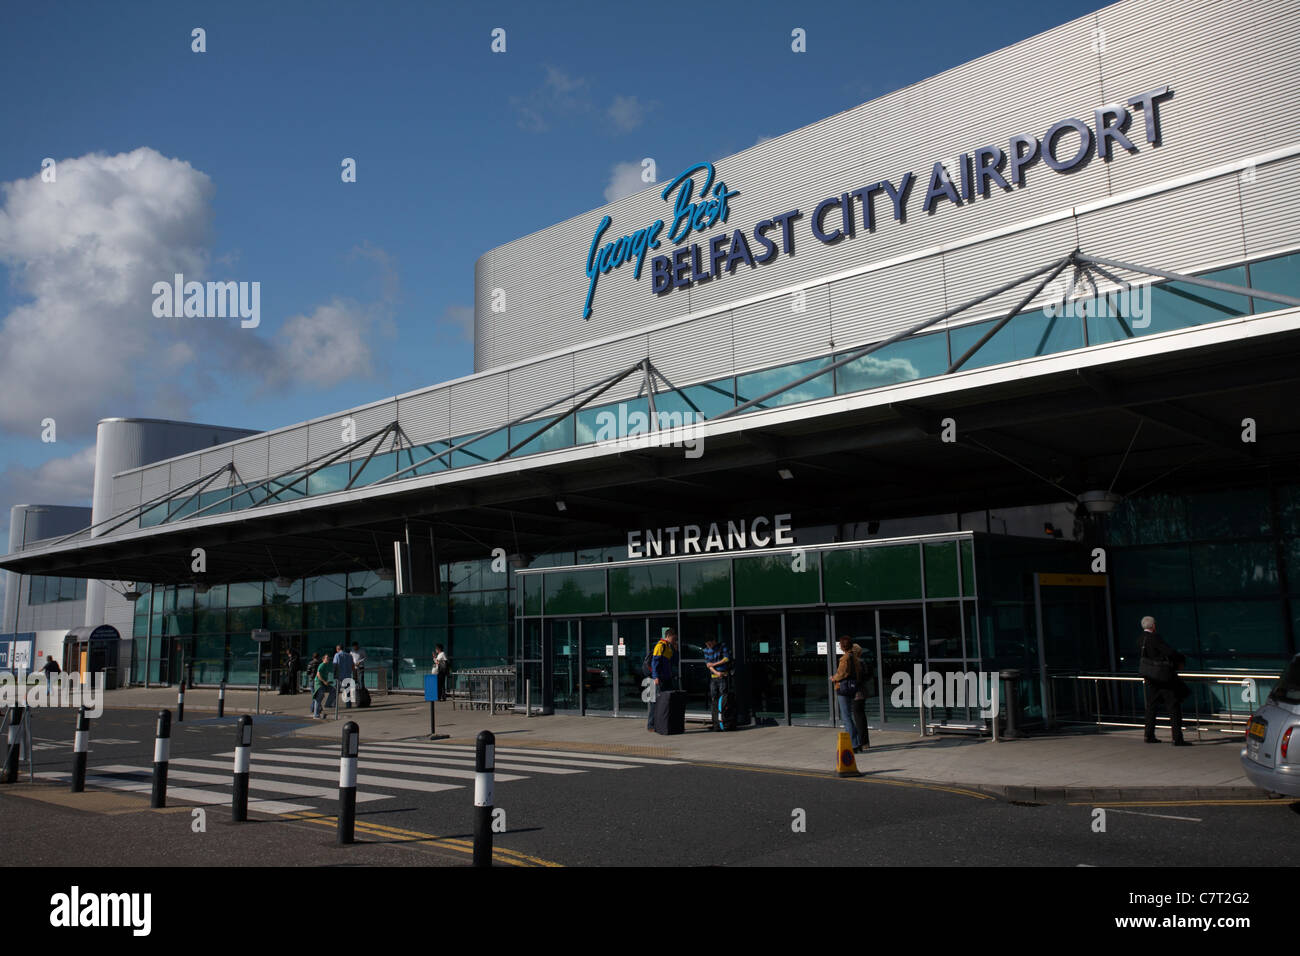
point(295, 779)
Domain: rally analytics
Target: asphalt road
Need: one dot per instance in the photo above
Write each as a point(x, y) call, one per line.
point(415, 807)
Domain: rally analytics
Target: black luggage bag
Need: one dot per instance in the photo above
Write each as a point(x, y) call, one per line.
point(363, 696)
point(727, 711)
point(670, 712)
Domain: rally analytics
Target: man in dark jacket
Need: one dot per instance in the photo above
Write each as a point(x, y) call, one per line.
point(1158, 665)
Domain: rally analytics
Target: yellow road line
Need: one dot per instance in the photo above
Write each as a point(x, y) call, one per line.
point(863, 779)
point(499, 854)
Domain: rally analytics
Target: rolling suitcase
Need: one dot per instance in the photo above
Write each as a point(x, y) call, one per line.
point(363, 696)
point(727, 711)
point(670, 713)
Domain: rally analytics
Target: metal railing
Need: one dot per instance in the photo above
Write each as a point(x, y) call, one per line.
point(483, 688)
point(1219, 701)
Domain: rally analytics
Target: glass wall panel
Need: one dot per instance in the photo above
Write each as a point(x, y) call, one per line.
point(488, 448)
point(480, 645)
point(1234, 569)
point(631, 633)
point(327, 614)
point(414, 656)
point(532, 599)
point(707, 399)
point(330, 478)
point(1163, 571)
point(941, 569)
point(968, 582)
point(566, 664)
point(646, 587)
point(423, 610)
point(244, 594)
point(764, 664)
point(1276, 275)
point(903, 361)
point(754, 384)
point(210, 658)
point(1235, 512)
point(769, 581)
point(597, 665)
point(888, 573)
point(806, 665)
point(1232, 629)
point(902, 636)
point(380, 466)
point(242, 665)
point(417, 456)
point(559, 435)
point(243, 620)
point(943, 630)
point(290, 488)
point(706, 583)
point(575, 592)
point(371, 612)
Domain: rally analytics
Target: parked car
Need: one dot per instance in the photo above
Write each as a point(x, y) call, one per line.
point(1271, 758)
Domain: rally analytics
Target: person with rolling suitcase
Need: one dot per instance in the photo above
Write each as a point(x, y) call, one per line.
point(668, 709)
point(722, 702)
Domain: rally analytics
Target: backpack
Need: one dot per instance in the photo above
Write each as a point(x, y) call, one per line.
point(647, 663)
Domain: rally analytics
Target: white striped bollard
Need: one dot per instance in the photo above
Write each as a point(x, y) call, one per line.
point(484, 771)
point(221, 700)
point(80, 747)
point(243, 757)
point(10, 772)
point(348, 783)
point(180, 700)
point(162, 746)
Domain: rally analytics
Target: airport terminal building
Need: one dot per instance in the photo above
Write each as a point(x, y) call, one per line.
point(977, 373)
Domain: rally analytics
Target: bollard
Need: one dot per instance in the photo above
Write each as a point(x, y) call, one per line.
point(180, 700)
point(10, 772)
point(348, 784)
point(161, 752)
point(484, 768)
point(221, 700)
point(243, 755)
point(80, 746)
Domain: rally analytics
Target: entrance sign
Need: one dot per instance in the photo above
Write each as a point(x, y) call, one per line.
point(760, 532)
point(261, 635)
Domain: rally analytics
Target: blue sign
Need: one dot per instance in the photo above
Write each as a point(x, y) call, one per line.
point(430, 686)
point(16, 650)
point(1066, 146)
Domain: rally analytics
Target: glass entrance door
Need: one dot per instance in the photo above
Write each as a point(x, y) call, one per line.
point(860, 628)
point(901, 632)
point(807, 653)
point(764, 664)
point(598, 663)
point(630, 632)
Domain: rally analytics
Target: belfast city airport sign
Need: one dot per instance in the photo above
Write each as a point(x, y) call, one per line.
point(1066, 145)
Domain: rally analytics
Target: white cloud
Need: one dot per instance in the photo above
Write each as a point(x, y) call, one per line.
point(628, 112)
point(457, 323)
point(624, 180)
point(85, 251)
point(59, 481)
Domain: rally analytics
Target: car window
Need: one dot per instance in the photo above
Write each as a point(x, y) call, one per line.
point(1288, 685)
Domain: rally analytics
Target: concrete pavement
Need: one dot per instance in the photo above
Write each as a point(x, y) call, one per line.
point(1086, 766)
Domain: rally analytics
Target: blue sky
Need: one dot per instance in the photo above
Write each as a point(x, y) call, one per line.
point(226, 164)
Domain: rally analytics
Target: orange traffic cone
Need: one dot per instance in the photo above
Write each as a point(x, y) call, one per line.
point(845, 765)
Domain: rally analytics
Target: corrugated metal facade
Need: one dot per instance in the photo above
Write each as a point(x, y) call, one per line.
point(1234, 70)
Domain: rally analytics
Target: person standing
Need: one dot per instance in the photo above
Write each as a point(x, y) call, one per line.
point(719, 665)
point(846, 686)
point(291, 666)
point(661, 671)
point(866, 673)
point(323, 698)
point(342, 669)
point(441, 667)
point(310, 676)
point(51, 668)
point(358, 662)
point(1159, 664)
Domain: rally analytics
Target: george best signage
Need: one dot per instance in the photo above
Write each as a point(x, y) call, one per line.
point(1066, 145)
point(760, 532)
